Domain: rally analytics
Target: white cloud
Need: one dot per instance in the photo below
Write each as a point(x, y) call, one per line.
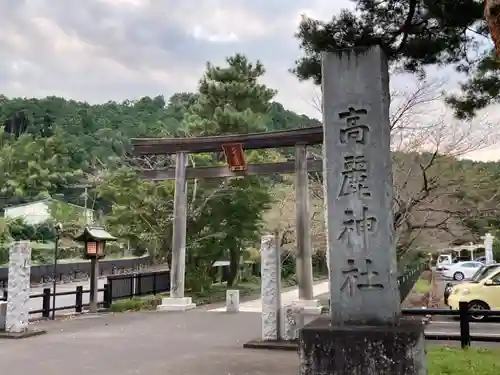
point(99, 50)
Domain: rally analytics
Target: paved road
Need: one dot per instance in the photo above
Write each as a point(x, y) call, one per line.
point(196, 342)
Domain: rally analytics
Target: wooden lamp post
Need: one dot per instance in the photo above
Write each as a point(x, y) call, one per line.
point(94, 239)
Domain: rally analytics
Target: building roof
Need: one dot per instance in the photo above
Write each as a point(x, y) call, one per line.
point(45, 200)
point(95, 233)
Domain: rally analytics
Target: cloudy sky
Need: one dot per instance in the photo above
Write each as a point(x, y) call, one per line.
point(99, 50)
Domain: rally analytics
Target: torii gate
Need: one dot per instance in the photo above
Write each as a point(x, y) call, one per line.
point(234, 146)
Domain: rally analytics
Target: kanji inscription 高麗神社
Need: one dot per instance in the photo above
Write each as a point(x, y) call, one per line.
point(354, 130)
point(355, 176)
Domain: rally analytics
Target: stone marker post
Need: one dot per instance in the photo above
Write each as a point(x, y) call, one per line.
point(232, 301)
point(17, 317)
point(293, 320)
point(488, 247)
point(270, 287)
point(365, 333)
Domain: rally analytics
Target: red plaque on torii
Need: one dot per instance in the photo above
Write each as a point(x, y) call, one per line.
point(235, 157)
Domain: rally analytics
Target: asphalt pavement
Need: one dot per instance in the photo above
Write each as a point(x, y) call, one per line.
point(150, 343)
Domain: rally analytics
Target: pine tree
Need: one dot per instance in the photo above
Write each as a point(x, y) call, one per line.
point(414, 34)
point(232, 101)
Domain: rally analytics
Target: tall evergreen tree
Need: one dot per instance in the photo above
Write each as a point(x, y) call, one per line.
point(232, 101)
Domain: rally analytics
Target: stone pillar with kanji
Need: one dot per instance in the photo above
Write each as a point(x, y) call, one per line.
point(365, 332)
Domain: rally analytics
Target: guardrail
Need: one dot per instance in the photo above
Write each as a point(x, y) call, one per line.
point(465, 337)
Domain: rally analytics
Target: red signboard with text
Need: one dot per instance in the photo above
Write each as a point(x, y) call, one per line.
point(235, 157)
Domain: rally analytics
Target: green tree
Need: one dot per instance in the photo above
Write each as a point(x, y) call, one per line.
point(415, 34)
point(141, 211)
point(34, 167)
point(232, 101)
point(5, 236)
point(496, 250)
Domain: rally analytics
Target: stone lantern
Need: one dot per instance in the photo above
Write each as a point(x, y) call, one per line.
point(94, 239)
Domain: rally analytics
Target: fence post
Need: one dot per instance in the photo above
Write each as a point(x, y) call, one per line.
point(138, 284)
point(46, 302)
point(107, 296)
point(79, 299)
point(132, 282)
point(464, 324)
point(154, 284)
point(5, 294)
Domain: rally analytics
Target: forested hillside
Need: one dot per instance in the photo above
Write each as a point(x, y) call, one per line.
point(51, 143)
point(55, 146)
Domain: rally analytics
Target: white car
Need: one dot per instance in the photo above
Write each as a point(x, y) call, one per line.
point(443, 261)
point(461, 270)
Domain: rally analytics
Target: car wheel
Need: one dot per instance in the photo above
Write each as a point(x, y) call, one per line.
point(478, 305)
point(458, 276)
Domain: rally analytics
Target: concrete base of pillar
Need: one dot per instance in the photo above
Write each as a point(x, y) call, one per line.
point(362, 349)
point(309, 307)
point(176, 304)
point(21, 335)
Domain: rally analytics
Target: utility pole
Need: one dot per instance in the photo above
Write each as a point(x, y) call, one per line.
point(86, 198)
point(86, 187)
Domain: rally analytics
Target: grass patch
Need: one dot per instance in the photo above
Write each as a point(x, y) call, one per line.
point(216, 294)
point(473, 361)
point(422, 286)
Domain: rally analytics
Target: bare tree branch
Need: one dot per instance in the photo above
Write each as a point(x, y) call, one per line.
point(425, 143)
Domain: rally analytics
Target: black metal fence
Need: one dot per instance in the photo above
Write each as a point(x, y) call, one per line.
point(139, 284)
point(465, 317)
point(407, 281)
point(118, 287)
point(151, 283)
point(47, 295)
point(68, 272)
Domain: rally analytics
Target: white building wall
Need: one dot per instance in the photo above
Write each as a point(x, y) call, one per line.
point(38, 212)
point(34, 213)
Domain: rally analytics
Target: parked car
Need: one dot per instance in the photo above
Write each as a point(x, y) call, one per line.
point(443, 260)
point(461, 270)
point(480, 274)
point(480, 295)
point(481, 259)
